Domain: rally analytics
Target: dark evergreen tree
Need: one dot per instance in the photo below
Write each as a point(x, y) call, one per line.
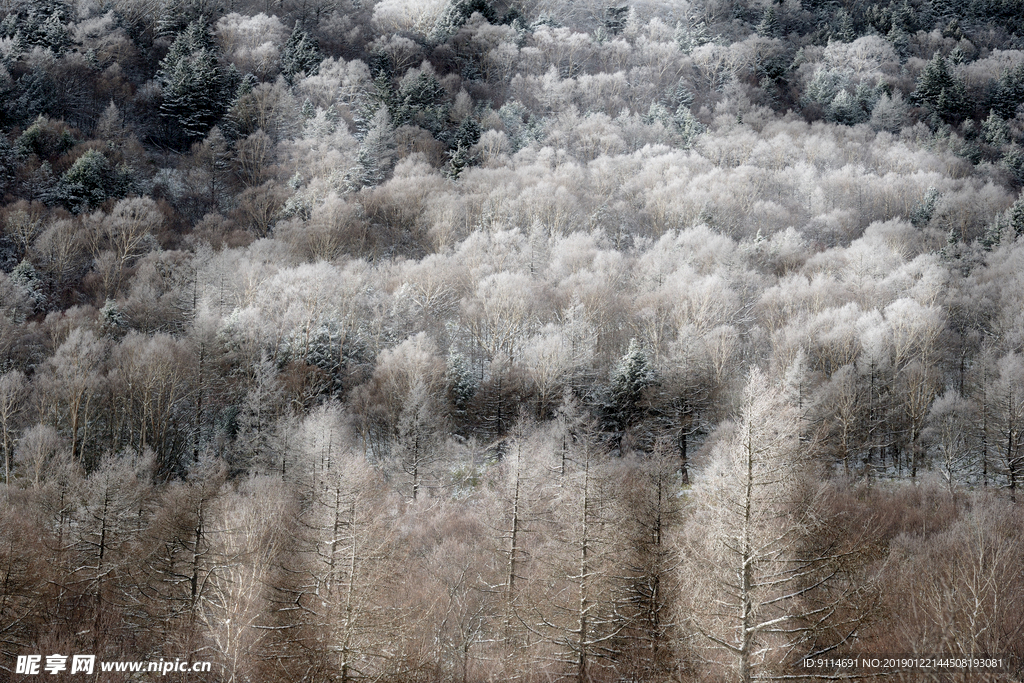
point(1009, 92)
point(466, 135)
point(27, 279)
point(458, 160)
point(615, 19)
point(939, 91)
point(994, 130)
point(461, 381)
point(925, 209)
point(301, 54)
point(691, 34)
point(8, 157)
point(1013, 160)
point(196, 86)
point(422, 101)
point(682, 95)
point(845, 31)
point(176, 15)
point(993, 234)
point(456, 13)
point(38, 22)
point(941, 9)
point(90, 181)
point(953, 30)
point(1015, 217)
point(32, 95)
point(55, 34)
point(770, 26)
point(904, 18)
point(629, 381)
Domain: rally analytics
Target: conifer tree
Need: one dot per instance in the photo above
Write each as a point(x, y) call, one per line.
point(195, 85)
point(90, 181)
point(301, 54)
point(455, 14)
point(1009, 92)
point(846, 31)
point(769, 26)
point(458, 160)
point(690, 34)
point(1015, 217)
point(461, 383)
point(376, 154)
point(631, 377)
point(940, 91)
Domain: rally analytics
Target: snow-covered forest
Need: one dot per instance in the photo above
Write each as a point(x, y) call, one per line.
point(501, 340)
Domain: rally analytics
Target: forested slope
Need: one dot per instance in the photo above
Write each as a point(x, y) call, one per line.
point(428, 340)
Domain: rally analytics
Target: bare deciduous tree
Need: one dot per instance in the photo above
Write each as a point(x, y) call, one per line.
point(760, 593)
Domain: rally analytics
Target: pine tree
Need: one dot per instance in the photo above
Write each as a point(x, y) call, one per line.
point(461, 382)
point(376, 154)
point(615, 19)
point(90, 181)
point(422, 101)
point(1015, 217)
point(55, 34)
point(1013, 160)
point(458, 160)
point(1009, 92)
point(994, 130)
point(925, 209)
point(691, 34)
point(196, 86)
point(25, 277)
point(769, 26)
point(845, 109)
point(630, 379)
point(467, 134)
point(941, 92)
point(845, 32)
point(904, 19)
point(301, 54)
point(456, 13)
point(8, 158)
point(993, 234)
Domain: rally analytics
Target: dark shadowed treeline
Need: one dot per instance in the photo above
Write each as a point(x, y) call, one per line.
point(455, 340)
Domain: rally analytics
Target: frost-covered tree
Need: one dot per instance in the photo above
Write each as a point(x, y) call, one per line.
point(889, 113)
point(12, 394)
point(122, 236)
point(375, 158)
point(574, 606)
point(951, 430)
point(69, 385)
point(349, 561)
point(762, 591)
point(416, 445)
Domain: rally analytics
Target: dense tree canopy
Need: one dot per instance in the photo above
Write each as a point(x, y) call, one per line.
point(430, 340)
